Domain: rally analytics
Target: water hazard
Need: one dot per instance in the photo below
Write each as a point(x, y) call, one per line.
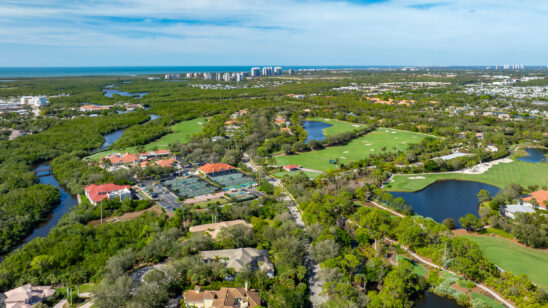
point(431, 300)
point(446, 199)
point(315, 130)
point(535, 155)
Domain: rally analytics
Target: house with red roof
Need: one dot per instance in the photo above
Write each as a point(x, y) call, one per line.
point(291, 168)
point(216, 169)
point(541, 197)
point(96, 193)
point(166, 162)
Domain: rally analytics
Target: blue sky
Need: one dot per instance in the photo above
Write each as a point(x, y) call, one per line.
point(261, 32)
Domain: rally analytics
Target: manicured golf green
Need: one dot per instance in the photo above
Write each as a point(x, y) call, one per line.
point(499, 175)
point(181, 132)
point(489, 301)
point(359, 148)
point(515, 258)
point(338, 127)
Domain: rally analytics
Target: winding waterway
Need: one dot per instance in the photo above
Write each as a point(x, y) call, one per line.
point(315, 130)
point(535, 155)
point(109, 92)
point(446, 199)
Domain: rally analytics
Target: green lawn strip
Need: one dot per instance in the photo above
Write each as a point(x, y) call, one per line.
point(417, 268)
point(338, 127)
point(499, 175)
point(281, 174)
point(356, 149)
point(515, 258)
point(489, 301)
point(181, 132)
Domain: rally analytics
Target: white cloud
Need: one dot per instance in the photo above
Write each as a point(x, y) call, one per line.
point(288, 32)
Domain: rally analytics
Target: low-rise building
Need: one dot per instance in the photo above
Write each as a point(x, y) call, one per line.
point(215, 229)
point(224, 298)
point(27, 296)
point(541, 198)
point(96, 193)
point(510, 210)
point(291, 167)
point(216, 169)
point(240, 258)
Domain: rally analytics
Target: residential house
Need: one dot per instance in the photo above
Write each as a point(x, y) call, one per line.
point(240, 258)
point(541, 197)
point(27, 296)
point(96, 193)
point(215, 229)
point(224, 298)
point(510, 210)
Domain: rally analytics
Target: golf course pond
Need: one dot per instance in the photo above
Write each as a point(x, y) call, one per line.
point(536, 155)
point(432, 300)
point(446, 199)
point(315, 130)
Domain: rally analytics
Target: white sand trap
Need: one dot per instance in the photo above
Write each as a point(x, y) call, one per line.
point(386, 131)
point(394, 133)
point(396, 137)
point(414, 137)
point(372, 150)
point(342, 157)
point(346, 152)
point(416, 178)
point(356, 125)
point(481, 168)
point(200, 123)
point(403, 142)
point(327, 119)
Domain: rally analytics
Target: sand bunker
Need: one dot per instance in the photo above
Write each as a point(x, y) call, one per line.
point(481, 168)
point(356, 125)
point(346, 152)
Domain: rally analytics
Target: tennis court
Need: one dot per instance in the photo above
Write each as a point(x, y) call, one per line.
point(190, 187)
point(234, 180)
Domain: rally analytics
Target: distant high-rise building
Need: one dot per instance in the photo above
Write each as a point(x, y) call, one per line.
point(207, 76)
point(255, 71)
point(189, 75)
point(226, 77)
point(291, 71)
point(267, 71)
point(278, 71)
point(238, 77)
point(219, 77)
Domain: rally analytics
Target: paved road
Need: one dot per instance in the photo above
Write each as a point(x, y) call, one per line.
point(312, 267)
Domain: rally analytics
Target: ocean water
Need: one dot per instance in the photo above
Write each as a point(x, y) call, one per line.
point(20, 72)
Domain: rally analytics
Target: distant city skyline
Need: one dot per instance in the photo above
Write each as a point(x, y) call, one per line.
point(60, 33)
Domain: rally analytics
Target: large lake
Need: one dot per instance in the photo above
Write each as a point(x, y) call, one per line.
point(535, 155)
point(431, 300)
point(315, 130)
point(444, 199)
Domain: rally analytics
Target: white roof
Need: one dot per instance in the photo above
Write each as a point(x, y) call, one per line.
point(518, 208)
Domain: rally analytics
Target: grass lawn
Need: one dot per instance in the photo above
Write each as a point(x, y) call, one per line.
point(417, 268)
point(515, 258)
point(181, 132)
point(498, 175)
point(338, 127)
point(354, 150)
point(311, 175)
point(491, 302)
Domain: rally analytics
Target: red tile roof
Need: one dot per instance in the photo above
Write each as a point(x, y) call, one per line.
point(130, 158)
point(98, 192)
point(540, 196)
point(166, 162)
point(291, 167)
point(212, 168)
point(163, 152)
